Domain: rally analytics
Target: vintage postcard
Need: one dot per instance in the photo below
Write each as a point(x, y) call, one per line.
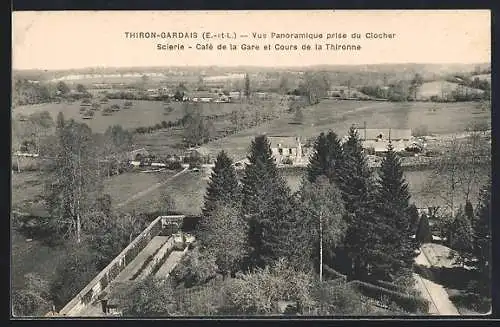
point(251, 163)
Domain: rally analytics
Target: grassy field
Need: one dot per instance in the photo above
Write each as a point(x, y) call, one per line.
point(186, 190)
point(437, 88)
point(33, 257)
point(121, 187)
point(142, 113)
point(419, 182)
point(25, 186)
point(340, 115)
point(482, 77)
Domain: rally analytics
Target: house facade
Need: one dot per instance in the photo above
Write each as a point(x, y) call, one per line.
point(286, 148)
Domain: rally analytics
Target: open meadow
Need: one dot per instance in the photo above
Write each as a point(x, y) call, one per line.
point(186, 190)
point(141, 113)
point(438, 88)
point(339, 115)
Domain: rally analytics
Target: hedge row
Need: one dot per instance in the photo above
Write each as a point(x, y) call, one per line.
point(409, 303)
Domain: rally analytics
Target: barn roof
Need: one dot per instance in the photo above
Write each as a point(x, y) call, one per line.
point(283, 141)
point(373, 133)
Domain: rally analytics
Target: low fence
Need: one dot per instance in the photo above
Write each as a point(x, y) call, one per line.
point(93, 289)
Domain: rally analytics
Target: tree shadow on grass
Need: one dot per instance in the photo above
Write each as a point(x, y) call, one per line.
point(455, 278)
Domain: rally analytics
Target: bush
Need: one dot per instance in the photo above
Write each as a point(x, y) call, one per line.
point(472, 301)
point(409, 303)
point(339, 299)
point(330, 273)
point(176, 165)
point(72, 275)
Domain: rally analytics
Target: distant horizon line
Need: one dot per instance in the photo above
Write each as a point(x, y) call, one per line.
point(250, 66)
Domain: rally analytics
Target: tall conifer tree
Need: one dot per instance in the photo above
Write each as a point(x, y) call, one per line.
point(393, 201)
point(223, 184)
point(327, 157)
point(266, 206)
point(358, 190)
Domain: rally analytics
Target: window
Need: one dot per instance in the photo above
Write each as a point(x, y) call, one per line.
point(289, 151)
point(280, 150)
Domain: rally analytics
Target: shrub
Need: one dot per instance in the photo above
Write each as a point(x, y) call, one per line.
point(72, 275)
point(472, 301)
point(409, 303)
point(287, 161)
point(331, 273)
point(174, 165)
point(339, 299)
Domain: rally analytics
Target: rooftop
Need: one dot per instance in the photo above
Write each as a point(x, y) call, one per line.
point(374, 133)
point(283, 141)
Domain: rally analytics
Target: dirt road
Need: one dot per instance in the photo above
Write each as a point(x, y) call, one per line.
point(440, 303)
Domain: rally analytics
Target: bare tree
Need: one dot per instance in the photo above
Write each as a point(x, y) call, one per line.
point(462, 167)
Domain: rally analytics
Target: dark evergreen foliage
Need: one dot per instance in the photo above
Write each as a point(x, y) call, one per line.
point(267, 206)
point(424, 231)
point(223, 186)
point(327, 157)
point(393, 208)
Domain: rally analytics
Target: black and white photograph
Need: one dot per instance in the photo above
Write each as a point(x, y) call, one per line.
point(288, 163)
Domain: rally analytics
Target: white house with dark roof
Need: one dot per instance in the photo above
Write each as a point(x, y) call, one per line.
point(286, 147)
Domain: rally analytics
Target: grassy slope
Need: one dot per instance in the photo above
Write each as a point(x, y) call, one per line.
point(340, 115)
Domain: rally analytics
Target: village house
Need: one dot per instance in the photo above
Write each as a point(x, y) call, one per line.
point(286, 148)
point(234, 95)
point(377, 140)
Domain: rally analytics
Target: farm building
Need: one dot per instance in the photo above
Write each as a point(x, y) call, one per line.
point(202, 96)
point(378, 139)
point(234, 95)
point(286, 147)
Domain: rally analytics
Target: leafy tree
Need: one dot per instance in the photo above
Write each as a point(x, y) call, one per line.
point(223, 236)
point(247, 85)
point(151, 297)
point(80, 88)
point(327, 158)
point(461, 233)
point(62, 88)
point(266, 206)
point(323, 217)
point(415, 84)
point(33, 299)
point(423, 234)
point(196, 268)
point(223, 185)
point(117, 139)
point(283, 86)
point(333, 298)
point(259, 291)
point(110, 234)
point(482, 240)
point(72, 274)
point(75, 186)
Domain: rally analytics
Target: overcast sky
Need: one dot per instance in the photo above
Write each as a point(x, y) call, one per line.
point(66, 40)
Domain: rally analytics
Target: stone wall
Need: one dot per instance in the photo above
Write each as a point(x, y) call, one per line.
point(93, 289)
